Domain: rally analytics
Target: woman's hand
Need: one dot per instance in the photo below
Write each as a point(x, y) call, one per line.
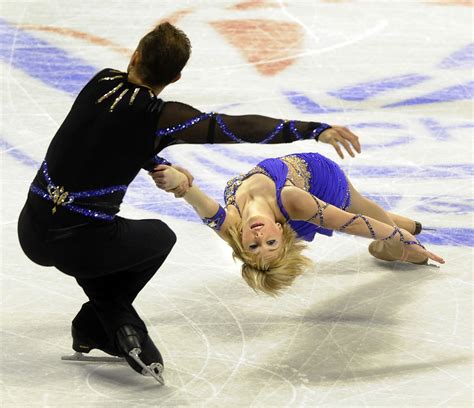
point(173, 179)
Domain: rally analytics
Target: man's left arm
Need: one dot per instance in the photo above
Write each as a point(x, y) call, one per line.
point(181, 123)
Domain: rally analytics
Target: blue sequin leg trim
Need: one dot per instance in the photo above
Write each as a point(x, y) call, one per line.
point(396, 231)
point(353, 219)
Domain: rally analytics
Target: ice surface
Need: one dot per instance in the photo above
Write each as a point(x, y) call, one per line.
point(352, 332)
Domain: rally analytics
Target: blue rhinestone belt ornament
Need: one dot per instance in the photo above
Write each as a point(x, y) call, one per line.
point(60, 197)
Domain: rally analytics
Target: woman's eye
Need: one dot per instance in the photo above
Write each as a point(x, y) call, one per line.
point(253, 246)
point(271, 242)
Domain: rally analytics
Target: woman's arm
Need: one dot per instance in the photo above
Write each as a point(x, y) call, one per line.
point(172, 179)
point(303, 206)
point(209, 210)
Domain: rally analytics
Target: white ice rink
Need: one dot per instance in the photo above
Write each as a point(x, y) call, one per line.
point(353, 332)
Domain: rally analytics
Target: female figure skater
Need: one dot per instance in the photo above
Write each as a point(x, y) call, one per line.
point(282, 201)
point(115, 127)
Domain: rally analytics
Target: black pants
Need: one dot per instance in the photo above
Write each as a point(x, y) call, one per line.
point(111, 261)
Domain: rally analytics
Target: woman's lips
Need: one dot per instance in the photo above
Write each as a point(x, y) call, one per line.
point(256, 225)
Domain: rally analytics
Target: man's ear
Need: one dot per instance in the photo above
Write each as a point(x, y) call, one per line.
point(135, 58)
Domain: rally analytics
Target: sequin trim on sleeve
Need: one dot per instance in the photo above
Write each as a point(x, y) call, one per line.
point(160, 160)
point(226, 131)
point(182, 126)
point(316, 132)
point(215, 222)
point(222, 126)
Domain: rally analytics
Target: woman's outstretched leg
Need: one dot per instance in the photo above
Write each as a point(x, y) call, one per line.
point(386, 250)
point(408, 224)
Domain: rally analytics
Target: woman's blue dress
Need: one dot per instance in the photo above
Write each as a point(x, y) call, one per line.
point(321, 177)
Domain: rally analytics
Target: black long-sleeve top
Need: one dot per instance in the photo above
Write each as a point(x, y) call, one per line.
point(116, 127)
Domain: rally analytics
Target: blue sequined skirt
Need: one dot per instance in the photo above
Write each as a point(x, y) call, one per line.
point(327, 183)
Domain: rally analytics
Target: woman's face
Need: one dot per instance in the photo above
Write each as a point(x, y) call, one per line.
point(262, 237)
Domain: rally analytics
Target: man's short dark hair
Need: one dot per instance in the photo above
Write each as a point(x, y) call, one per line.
point(163, 54)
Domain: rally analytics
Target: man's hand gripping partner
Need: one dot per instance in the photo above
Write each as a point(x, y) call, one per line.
point(173, 179)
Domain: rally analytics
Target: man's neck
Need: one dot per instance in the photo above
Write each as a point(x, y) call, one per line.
point(134, 79)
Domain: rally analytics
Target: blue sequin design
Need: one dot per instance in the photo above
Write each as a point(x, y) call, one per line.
point(235, 138)
point(319, 129)
point(227, 132)
point(183, 126)
point(373, 235)
point(314, 133)
point(347, 199)
point(354, 219)
point(292, 127)
point(72, 196)
point(160, 160)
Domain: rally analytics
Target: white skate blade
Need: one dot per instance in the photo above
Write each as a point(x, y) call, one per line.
point(77, 356)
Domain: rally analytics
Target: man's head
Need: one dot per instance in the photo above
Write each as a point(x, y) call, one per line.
point(161, 55)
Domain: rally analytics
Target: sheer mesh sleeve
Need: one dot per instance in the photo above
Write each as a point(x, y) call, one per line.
point(181, 123)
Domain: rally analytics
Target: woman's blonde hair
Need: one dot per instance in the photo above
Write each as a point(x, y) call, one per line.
point(270, 277)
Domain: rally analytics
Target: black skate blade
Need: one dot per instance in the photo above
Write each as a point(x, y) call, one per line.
point(155, 369)
point(77, 356)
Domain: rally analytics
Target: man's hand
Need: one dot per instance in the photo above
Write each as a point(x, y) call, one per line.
point(171, 179)
point(340, 135)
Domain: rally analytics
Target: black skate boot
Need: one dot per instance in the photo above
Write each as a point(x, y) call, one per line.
point(84, 343)
point(140, 352)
